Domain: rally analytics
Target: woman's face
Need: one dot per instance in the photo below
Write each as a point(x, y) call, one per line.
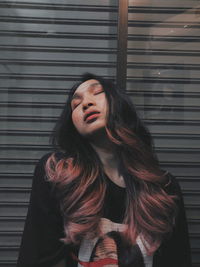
point(89, 107)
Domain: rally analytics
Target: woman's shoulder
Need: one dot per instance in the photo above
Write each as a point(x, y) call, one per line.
point(40, 167)
point(172, 185)
point(57, 154)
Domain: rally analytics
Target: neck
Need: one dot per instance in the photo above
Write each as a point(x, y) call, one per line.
point(105, 150)
point(107, 154)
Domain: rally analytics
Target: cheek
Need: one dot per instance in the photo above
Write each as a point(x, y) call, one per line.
point(105, 107)
point(75, 119)
point(103, 103)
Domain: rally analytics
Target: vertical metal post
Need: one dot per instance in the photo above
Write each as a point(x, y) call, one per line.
point(122, 44)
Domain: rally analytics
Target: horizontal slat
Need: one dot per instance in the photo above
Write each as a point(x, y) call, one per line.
point(162, 38)
point(24, 58)
point(162, 52)
point(166, 80)
point(55, 63)
point(16, 132)
point(169, 10)
point(142, 92)
point(157, 127)
point(66, 35)
point(69, 2)
point(161, 66)
point(54, 119)
point(160, 93)
point(58, 20)
point(55, 49)
point(156, 64)
point(161, 24)
point(148, 113)
point(34, 90)
point(71, 28)
point(146, 101)
point(156, 86)
point(53, 77)
point(8, 263)
point(148, 107)
point(101, 7)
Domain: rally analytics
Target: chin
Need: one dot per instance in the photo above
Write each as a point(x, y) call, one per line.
point(96, 132)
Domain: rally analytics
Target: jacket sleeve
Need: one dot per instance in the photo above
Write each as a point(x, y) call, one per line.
point(175, 250)
point(180, 234)
point(40, 244)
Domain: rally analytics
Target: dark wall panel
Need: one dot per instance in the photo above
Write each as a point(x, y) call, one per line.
point(163, 81)
point(44, 48)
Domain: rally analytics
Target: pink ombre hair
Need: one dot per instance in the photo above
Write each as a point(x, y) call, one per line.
point(79, 177)
point(150, 212)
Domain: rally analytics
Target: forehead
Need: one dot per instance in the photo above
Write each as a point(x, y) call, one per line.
point(86, 85)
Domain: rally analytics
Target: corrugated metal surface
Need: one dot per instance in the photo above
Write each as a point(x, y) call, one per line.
point(163, 80)
point(44, 47)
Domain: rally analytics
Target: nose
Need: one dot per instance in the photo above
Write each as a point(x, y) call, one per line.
point(87, 103)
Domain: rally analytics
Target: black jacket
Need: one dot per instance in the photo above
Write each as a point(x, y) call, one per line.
point(40, 245)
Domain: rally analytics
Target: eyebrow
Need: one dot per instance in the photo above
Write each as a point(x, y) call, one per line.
point(77, 96)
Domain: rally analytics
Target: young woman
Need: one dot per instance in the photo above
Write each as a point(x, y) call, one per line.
point(102, 199)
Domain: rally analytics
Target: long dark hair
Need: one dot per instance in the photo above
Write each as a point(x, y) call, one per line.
point(80, 175)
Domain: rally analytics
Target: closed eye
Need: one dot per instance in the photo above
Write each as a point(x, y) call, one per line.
point(98, 92)
point(75, 104)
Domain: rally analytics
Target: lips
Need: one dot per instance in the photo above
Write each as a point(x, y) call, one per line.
point(91, 115)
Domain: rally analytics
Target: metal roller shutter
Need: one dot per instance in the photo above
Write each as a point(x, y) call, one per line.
point(44, 48)
point(163, 72)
